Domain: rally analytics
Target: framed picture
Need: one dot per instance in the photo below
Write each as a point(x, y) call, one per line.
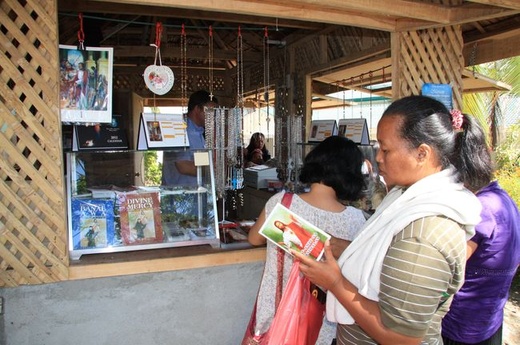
point(86, 84)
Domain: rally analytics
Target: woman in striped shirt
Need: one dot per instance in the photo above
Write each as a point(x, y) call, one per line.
point(395, 281)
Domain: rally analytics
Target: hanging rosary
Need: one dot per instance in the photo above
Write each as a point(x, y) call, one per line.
point(210, 62)
point(184, 82)
point(266, 76)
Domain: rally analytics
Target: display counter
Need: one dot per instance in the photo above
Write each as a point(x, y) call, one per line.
point(254, 202)
point(180, 226)
point(160, 260)
point(117, 202)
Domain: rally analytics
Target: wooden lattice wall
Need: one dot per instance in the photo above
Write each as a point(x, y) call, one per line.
point(427, 56)
point(33, 237)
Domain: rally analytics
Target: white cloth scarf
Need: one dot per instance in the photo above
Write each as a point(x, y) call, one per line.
point(362, 261)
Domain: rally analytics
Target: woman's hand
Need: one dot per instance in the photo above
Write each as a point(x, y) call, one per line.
point(325, 273)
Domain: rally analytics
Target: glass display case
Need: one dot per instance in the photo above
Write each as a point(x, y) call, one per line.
point(129, 200)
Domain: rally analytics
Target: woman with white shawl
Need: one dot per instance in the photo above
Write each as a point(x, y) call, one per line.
point(395, 281)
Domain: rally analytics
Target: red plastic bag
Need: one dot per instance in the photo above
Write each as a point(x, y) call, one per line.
point(299, 316)
point(249, 337)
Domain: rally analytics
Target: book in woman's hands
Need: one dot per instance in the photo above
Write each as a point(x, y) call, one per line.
point(288, 230)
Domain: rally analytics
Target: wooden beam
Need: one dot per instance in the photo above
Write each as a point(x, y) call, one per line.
point(210, 258)
point(468, 13)
point(399, 8)
point(317, 13)
point(512, 4)
point(491, 50)
point(509, 28)
point(357, 58)
point(174, 52)
point(109, 7)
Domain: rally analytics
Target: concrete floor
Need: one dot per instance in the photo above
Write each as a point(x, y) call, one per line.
point(198, 306)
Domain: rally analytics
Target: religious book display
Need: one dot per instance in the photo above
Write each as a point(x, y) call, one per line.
point(140, 215)
point(117, 203)
point(92, 223)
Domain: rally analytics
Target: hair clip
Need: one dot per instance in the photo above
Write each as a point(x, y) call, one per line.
point(456, 119)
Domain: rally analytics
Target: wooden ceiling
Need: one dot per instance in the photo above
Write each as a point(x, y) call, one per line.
point(491, 28)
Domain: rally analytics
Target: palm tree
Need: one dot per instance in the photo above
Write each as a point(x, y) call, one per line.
point(487, 106)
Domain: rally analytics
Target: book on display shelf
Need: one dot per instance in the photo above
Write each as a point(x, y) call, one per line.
point(140, 215)
point(288, 230)
point(92, 223)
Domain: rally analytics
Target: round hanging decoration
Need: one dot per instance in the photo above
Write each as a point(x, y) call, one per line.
point(158, 78)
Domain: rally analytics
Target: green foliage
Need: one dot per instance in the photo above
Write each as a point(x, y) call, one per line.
point(486, 106)
point(508, 152)
point(507, 158)
point(153, 169)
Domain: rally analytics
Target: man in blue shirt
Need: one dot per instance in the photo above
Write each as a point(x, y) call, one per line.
point(179, 167)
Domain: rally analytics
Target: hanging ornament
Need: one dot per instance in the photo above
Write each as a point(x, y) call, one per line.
point(240, 70)
point(266, 76)
point(158, 78)
point(81, 33)
point(184, 73)
point(210, 61)
point(370, 74)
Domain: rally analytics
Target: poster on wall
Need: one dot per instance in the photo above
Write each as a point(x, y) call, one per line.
point(86, 84)
point(354, 129)
point(161, 131)
point(440, 92)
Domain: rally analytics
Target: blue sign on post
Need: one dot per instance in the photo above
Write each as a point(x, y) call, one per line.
point(440, 92)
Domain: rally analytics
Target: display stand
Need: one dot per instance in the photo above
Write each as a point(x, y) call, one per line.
point(355, 130)
point(111, 212)
point(321, 129)
point(100, 137)
point(161, 131)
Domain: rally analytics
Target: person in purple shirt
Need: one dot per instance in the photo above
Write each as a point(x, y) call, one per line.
point(477, 311)
point(178, 166)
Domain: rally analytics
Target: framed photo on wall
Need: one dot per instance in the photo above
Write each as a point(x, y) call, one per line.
point(86, 84)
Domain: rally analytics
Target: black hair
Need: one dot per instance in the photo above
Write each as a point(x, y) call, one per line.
point(251, 147)
point(336, 162)
point(200, 98)
point(425, 120)
point(474, 162)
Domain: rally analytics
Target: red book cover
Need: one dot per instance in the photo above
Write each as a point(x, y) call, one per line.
point(140, 218)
